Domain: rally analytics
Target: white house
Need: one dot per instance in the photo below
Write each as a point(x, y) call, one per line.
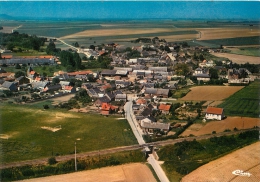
point(214, 113)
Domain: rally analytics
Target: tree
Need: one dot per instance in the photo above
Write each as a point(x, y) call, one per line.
point(18, 74)
point(182, 69)
point(92, 47)
point(46, 106)
point(77, 60)
point(17, 66)
point(76, 44)
point(55, 80)
point(213, 73)
point(51, 48)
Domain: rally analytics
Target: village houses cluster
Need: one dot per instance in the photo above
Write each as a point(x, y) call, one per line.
point(146, 79)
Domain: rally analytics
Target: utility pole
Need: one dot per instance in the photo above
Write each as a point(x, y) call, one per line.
point(75, 158)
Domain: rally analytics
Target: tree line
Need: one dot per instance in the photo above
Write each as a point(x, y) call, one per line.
point(17, 40)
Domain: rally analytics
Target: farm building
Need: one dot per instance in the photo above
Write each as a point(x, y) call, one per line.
point(214, 113)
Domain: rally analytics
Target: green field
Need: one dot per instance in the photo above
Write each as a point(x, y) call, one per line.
point(244, 102)
point(27, 140)
point(254, 40)
point(247, 51)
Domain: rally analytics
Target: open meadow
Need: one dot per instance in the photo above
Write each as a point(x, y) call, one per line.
point(127, 172)
point(210, 93)
point(32, 133)
point(246, 159)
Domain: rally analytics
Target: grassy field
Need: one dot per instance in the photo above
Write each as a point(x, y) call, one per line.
point(247, 51)
point(244, 102)
point(254, 40)
point(48, 69)
point(27, 140)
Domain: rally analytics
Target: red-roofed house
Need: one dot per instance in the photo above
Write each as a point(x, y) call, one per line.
point(214, 113)
point(141, 102)
point(106, 109)
point(6, 56)
point(85, 72)
point(164, 108)
point(70, 89)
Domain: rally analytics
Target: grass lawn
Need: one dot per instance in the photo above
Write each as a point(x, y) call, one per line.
point(244, 102)
point(27, 140)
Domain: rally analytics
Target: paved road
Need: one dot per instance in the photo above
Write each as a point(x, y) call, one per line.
point(133, 123)
point(139, 136)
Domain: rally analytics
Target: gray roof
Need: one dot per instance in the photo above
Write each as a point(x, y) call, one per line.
point(123, 68)
point(146, 112)
point(39, 84)
point(121, 96)
point(202, 76)
point(7, 84)
point(155, 125)
point(27, 61)
point(156, 91)
point(163, 69)
point(108, 72)
point(19, 78)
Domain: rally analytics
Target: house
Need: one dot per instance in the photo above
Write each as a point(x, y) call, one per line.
point(108, 73)
point(164, 93)
point(120, 97)
point(165, 109)
point(102, 100)
point(107, 109)
point(52, 88)
point(150, 127)
point(122, 83)
point(214, 113)
point(95, 93)
point(40, 85)
point(202, 74)
point(146, 112)
point(12, 86)
point(69, 89)
point(22, 80)
point(141, 102)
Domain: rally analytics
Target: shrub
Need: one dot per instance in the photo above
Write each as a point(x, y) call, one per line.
point(52, 161)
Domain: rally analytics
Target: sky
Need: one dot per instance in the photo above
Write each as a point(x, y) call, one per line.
point(248, 10)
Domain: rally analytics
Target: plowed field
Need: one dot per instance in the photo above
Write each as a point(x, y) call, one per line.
point(220, 126)
point(127, 173)
point(213, 93)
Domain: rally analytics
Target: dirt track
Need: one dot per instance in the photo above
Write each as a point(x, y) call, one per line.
point(246, 159)
point(128, 173)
